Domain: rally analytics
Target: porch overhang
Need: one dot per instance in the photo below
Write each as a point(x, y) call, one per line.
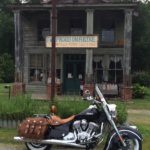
point(102, 6)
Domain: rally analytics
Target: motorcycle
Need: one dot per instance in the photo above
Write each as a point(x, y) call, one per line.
point(87, 129)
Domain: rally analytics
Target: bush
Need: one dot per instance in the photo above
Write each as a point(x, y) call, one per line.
point(18, 108)
point(70, 107)
point(138, 91)
point(142, 78)
point(67, 108)
point(121, 113)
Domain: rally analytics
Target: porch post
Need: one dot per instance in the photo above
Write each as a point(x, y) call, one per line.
point(18, 86)
point(18, 46)
point(127, 90)
point(89, 52)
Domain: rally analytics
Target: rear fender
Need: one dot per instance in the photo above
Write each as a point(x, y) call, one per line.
point(130, 132)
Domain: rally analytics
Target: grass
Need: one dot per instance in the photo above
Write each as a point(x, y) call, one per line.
point(3, 90)
point(141, 103)
point(7, 135)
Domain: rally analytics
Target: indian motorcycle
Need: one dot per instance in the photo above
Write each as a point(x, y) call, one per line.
point(85, 130)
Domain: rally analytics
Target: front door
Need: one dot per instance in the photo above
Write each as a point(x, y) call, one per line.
point(74, 71)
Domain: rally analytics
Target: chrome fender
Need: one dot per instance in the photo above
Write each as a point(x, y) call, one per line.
point(126, 130)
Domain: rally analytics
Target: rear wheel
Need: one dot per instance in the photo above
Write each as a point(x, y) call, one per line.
point(37, 146)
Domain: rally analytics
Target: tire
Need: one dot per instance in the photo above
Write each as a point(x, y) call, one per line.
point(131, 144)
point(37, 146)
point(131, 137)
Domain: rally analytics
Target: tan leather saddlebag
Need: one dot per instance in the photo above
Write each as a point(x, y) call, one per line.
point(33, 128)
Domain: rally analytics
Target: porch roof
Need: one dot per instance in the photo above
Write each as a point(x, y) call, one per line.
point(98, 6)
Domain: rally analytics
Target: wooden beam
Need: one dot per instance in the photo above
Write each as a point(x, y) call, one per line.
point(127, 47)
point(18, 47)
point(89, 52)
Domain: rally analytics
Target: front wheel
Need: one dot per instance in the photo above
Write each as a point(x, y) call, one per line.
point(37, 146)
point(131, 144)
point(131, 137)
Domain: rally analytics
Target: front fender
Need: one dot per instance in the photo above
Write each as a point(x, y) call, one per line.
point(128, 131)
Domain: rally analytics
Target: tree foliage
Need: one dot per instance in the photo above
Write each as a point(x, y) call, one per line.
point(6, 28)
point(6, 68)
point(141, 39)
point(6, 33)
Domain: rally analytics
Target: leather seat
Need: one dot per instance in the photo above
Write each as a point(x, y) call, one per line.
point(56, 120)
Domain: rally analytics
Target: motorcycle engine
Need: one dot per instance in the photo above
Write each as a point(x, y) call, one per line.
point(85, 130)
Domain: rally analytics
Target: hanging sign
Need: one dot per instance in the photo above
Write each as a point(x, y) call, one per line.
point(75, 41)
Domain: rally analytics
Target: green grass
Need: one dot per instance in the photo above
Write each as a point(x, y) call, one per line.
point(7, 135)
point(139, 104)
point(3, 90)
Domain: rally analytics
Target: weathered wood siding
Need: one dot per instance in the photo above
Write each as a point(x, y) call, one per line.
point(31, 45)
point(29, 31)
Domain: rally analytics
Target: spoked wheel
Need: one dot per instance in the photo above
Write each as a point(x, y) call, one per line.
point(131, 144)
point(37, 146)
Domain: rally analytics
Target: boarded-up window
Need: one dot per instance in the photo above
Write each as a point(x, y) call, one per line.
point(108, 36)
point(76, 26)
point(43, 29)
point(108, 30)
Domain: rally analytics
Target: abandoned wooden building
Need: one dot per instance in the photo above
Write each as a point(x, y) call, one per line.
point(77, 67)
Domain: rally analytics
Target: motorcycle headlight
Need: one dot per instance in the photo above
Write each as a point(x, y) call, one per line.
point(112, 110)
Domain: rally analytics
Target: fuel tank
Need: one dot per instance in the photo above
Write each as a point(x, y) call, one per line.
point(92, 114)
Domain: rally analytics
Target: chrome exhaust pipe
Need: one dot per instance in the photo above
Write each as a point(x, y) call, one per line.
point(49, 141)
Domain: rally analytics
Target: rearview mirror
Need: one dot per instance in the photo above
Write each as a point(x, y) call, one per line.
point(87, 95)
point(87, 92)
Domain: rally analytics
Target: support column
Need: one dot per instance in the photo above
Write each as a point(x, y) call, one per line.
point(18, 86)
point(18, 46)
point(127, 89)
point(26, 68)
point(89, 53)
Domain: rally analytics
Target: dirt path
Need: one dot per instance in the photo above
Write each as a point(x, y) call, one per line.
point(137, 111)
point(11, 147)
point(139, 116)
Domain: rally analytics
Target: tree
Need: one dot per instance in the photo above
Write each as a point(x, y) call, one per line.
point(141, 39)
point(6, 28)
point(6, 33)
point(6, 68)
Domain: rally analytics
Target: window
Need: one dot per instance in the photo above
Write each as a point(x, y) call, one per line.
point(43, 29)
point(108, 69)
point(108, 31)
point(36, 72)
point(115, 69)
point(98, 69)
point(76, 26)
point(108, 36)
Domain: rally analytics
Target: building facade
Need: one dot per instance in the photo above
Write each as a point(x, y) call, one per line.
point(109, 64)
